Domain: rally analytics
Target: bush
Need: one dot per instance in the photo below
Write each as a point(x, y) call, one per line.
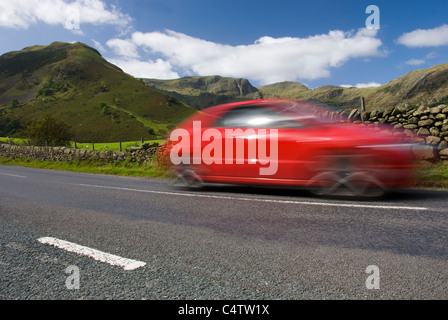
point(51, 87)
point(49, 131)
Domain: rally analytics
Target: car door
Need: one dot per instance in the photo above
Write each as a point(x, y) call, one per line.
point(258, 143)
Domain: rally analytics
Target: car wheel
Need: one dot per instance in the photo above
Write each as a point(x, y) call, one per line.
point(187, 177)
point(343, 175)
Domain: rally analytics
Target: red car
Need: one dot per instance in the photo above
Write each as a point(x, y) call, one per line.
point(277, 142)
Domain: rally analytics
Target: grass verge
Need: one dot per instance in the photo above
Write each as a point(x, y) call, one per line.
point(428, 177)
point(126, 168)
point(433, 176)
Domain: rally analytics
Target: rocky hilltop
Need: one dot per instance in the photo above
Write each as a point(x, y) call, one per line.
point(202, 92)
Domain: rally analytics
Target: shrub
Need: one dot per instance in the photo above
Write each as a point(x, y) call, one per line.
point(49, 131)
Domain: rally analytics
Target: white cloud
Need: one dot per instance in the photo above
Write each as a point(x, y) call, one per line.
point(267, 60)
point(415, 62)
point(432, 55)
point(158, 69)
point(362, 85)
point(21, 14)
point(425, 37)
point(124, 48)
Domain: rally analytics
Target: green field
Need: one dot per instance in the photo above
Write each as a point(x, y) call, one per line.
point(113, 146)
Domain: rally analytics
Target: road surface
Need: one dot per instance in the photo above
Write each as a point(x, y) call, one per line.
point(67, 235)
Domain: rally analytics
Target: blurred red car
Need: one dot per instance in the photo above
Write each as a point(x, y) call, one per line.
point(276, 142)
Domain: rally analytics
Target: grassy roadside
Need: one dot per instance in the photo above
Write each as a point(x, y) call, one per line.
point(428, 177)
point(434, 176)
point(129, 169)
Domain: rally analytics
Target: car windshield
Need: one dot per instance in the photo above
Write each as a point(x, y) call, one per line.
point(308, 111)
point(255, 116)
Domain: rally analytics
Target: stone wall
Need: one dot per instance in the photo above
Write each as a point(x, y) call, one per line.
point(145, 153)
point(61, 154)
point(428, 126)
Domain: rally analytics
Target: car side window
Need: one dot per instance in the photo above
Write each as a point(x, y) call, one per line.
point(256, 117)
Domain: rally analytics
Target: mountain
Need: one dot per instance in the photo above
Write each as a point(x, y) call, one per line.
point(101, 103)
point(426, 86)
point(201, 92)
point(75, 84)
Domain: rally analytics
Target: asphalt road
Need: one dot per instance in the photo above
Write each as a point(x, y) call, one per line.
point(218, 243)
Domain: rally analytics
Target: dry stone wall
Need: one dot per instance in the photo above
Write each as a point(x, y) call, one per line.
point(58, 154)
point(145, 153)
point(425, 125)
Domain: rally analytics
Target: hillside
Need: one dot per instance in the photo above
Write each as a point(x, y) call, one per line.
point(75, 84)
point(427, 86)
point(202, 92)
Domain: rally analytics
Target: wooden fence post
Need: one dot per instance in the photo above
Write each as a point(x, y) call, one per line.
point(363, 104)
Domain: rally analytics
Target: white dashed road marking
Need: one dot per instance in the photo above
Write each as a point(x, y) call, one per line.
point(325, 204)
point(126, 264)
point(12, 175)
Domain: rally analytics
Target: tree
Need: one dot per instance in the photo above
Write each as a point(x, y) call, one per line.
point(49, 131)
point(9, 126)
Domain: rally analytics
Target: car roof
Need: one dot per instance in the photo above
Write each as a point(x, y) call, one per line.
point(258, 102)
point(285, 105)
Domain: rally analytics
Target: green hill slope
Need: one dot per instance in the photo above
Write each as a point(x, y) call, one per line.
point(75, 84)
point(425, 86)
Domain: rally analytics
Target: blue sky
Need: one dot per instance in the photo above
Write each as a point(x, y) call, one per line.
point(315, 42)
